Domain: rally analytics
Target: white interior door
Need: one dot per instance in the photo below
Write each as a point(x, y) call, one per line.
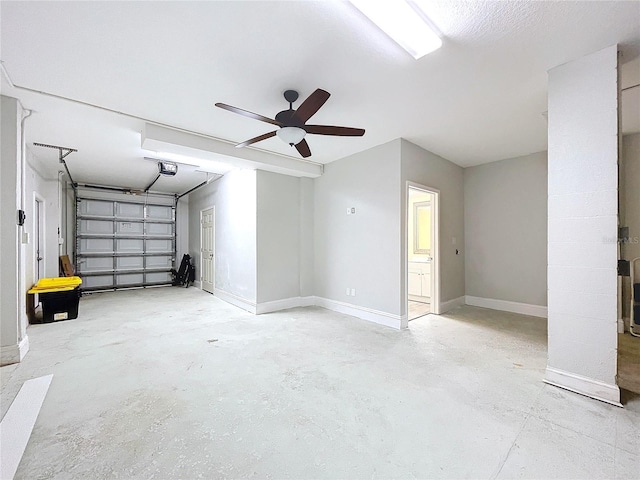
point(39, 239)
point(207, 223)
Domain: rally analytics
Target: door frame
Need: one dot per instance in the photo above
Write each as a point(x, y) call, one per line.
point(213, 248)
point(39, 235)
point(435, 237)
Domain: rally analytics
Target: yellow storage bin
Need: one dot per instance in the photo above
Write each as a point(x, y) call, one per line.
point(59, 297)
point(58, 284)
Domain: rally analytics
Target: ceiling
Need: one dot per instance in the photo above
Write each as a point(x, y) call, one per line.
point(479, 98)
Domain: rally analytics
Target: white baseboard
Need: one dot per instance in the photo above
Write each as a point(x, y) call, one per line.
point(451, 304)
point(236, 300)
point(365, 313)
point(506, 306)
point(197, 284)
point(583, 385)
point(14, 353)
point(284, 304)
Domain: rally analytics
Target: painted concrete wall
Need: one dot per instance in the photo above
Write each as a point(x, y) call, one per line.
point(278, 236)
point(426, 168)
point(505, 211)
point(360, 251)
point(13, 319)
point(630, 209)
point(583, 209)
point(234, 199)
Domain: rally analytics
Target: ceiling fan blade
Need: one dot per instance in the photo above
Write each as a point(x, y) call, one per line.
point(333, 130)
point(311, 105)
point(303, 148)
point(257, 139)
point(249, 114)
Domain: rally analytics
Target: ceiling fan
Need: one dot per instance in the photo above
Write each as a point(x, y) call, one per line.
point(292, 123)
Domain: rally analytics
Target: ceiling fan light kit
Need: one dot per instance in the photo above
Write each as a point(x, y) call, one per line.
point(291, 135)
point(292, 123)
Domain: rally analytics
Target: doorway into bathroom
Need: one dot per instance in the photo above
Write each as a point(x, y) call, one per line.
point(422, 249)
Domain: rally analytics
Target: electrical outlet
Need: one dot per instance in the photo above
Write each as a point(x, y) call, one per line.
point(353, 210)
point(348, 291)
point(353, 292)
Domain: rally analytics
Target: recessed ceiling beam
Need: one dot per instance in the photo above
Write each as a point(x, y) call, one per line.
point(162, 139)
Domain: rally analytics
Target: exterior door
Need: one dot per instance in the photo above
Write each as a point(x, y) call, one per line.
point(207, 223)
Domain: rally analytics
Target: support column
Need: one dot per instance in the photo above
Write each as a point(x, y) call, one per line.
point(583, 224)
point(14, 342)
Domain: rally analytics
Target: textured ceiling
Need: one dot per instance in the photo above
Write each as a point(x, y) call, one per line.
point(478, 99)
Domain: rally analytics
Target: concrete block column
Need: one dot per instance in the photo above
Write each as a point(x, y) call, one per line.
point(14, 342)
point(583, 222)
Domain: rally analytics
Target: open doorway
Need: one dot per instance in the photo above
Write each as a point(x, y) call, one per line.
point(207, 245)
point(422, 251)
point(628, 374)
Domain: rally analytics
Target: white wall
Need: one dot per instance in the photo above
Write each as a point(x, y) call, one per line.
point(13, 320)
point(278, 236)
point(426, 168)
point(234, 199)
point(505, 211)
point(583, 215)
point(182, 229)
point(360, 251)
point(307, 240)
point(630, 208)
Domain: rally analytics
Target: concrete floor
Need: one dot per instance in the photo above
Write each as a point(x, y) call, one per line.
point(174, 383)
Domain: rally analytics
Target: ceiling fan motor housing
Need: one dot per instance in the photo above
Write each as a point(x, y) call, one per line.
point(288, 119)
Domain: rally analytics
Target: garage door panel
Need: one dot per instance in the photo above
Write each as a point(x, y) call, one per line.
point(130, 279)
point(159, 245)
point(99, 208)
point(130, 245)
point(129, 210)
point(158, 277)
point(130, 228)
point(160, 261)
point(95, 227)
point(95, 264)
point(95, 245)
point(130, 263)
point(159, 212)
point(97, 281)
point(160, 229)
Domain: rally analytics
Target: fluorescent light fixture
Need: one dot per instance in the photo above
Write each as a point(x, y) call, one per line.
point(291, 135)
point(400, 21)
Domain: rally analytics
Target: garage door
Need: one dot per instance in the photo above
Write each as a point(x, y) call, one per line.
point(124, 244)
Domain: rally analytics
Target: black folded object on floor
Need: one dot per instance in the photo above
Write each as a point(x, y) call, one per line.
point(186, 273)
